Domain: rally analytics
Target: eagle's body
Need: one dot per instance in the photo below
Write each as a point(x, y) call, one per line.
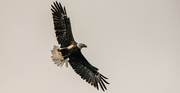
point(70, 51)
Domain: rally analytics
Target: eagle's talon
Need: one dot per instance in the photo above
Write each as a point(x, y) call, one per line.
point(62, 59)
point(58, 49)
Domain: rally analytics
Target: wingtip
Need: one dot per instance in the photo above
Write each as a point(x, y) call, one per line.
point(65, 10)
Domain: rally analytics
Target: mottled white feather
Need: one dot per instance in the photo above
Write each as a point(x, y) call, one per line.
point(57, 56)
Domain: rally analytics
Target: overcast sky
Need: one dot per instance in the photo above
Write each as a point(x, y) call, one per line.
point(135, 43)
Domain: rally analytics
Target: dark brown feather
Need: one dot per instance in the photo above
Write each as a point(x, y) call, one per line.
point(87, 72)
point(62, 25)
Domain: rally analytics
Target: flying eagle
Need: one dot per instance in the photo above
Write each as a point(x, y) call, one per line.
point(70, 50)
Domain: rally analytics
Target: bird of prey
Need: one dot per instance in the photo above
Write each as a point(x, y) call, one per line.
point(70, 51)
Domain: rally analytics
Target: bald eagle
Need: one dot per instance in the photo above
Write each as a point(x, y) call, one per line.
point(70, 51)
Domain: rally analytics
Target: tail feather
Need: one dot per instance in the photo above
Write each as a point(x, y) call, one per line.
point(57, 56)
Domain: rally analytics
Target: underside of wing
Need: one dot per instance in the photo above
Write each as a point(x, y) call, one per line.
point(62, 25)
point(88, 72)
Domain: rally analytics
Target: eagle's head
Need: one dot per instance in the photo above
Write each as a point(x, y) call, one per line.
point(81, 45)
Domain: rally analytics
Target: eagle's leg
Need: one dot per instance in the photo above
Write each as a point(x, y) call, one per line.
point(62, 59)
point(63, 50)
point(66, 56)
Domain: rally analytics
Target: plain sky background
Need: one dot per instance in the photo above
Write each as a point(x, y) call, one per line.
point(135, 43)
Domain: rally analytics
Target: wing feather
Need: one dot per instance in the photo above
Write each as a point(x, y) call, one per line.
point(87, 72)
point(62, 25)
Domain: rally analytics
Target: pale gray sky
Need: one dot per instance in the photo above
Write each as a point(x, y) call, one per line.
point(135, 43)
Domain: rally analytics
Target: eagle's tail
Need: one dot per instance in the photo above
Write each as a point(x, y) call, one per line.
point(57, 56)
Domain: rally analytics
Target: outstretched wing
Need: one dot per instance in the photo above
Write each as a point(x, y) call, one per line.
point(87, 72)
point(62, 25)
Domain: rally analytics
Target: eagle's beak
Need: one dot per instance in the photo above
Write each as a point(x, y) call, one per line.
point(85, 46)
